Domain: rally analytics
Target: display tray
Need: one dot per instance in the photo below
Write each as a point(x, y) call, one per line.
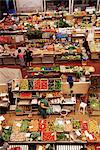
point(52, 142)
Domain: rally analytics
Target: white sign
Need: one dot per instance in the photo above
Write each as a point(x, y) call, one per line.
point(29, 5)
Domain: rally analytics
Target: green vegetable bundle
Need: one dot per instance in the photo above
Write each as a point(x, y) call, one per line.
point(62, 24)
point(36, 136)
point(57, 84)
point(24, 126)
point(36, 34)
point(6, 134)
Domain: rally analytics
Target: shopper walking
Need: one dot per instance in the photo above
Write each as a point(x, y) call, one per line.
point(28, 57)
point(21, 58)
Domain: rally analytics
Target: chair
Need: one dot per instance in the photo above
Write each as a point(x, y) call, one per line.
point(82, 107)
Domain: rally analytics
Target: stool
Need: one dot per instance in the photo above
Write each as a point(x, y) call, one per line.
point(83, 107)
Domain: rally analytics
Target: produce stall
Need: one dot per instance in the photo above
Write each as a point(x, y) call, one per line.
point(58, 133)
point(63, 47)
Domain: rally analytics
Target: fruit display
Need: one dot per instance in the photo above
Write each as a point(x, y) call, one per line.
point(37, 84)
point(58, 129)
point(25, 95)
point(44, 68)
point(6, 40)
point(44, 84)
point(33, 125)
point(48, 136)
point(92, 126)
point(50, 125)
point(40, 84)
point(24, 84)
point(42, 125)
point(84, 126)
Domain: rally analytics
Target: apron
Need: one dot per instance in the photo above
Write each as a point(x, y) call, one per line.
point(42, 110)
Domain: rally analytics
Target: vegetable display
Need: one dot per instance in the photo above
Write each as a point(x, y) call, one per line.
point(60, 136)
point(34, 34)
point(36, 136)
point(57, 84)
point(33, 125)
point(48, 136)
point(24, 84)
point(57, 129)
point(76, 124)
point(42, 125)
point(6, 134)
point(24, 126)
point(51, 84)
point(59, 125)
point(92, 126)
point(62, 24)
point(50, 125)
point(94, 103)
point(26, 95)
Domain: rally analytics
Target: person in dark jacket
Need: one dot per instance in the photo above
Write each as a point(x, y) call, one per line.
point(28, 57)
point(43, 106)
point(3, 8)
point(86, 46)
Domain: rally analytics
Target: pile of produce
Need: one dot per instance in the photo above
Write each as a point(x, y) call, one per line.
point(59, 125)
point(50, 125)
point(58, 84)
point(44, 68)
point(24, 84)
point(25, 95)
point(16, 126)
point(94, 103)
point(76, 124)
point(60, 136)
point(92, 126)
point(38, 84)
point(42, 125)
point(24, 126)
point(68, 126)
point(48, 136)
point(33, 125)
point(18, 137)
point(62, 24)
point(71, 57)
point(51, 84)
point(34, 34)
point(36, 136)
point(50, 130)
point(6, 133)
